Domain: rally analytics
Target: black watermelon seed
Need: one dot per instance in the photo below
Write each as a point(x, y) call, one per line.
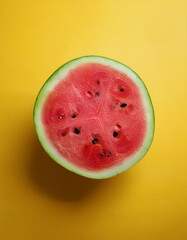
point(101, 154)
point(73, 116)
point(123, 105)
point(115, 134)
point(97, 94)
point(95, 140)
point(109, 154)
point(76, 130)
point(122, 89)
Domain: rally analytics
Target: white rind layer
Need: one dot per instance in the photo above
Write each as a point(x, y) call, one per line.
point(60, 74)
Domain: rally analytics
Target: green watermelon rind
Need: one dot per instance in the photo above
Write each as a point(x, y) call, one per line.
point(54, 79)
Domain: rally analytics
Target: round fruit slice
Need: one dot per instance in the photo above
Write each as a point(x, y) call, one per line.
point(94, 116)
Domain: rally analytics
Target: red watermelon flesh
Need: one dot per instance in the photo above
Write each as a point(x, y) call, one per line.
point(95, 117)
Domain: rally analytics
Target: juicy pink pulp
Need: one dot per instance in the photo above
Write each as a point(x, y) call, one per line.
point(95, 117)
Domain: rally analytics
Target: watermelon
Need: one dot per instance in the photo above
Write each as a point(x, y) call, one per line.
point(94, 116)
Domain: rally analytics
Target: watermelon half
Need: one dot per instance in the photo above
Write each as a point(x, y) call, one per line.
point(94, 116)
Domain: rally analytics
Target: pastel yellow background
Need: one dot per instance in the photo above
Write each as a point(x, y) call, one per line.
point(39, 200)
